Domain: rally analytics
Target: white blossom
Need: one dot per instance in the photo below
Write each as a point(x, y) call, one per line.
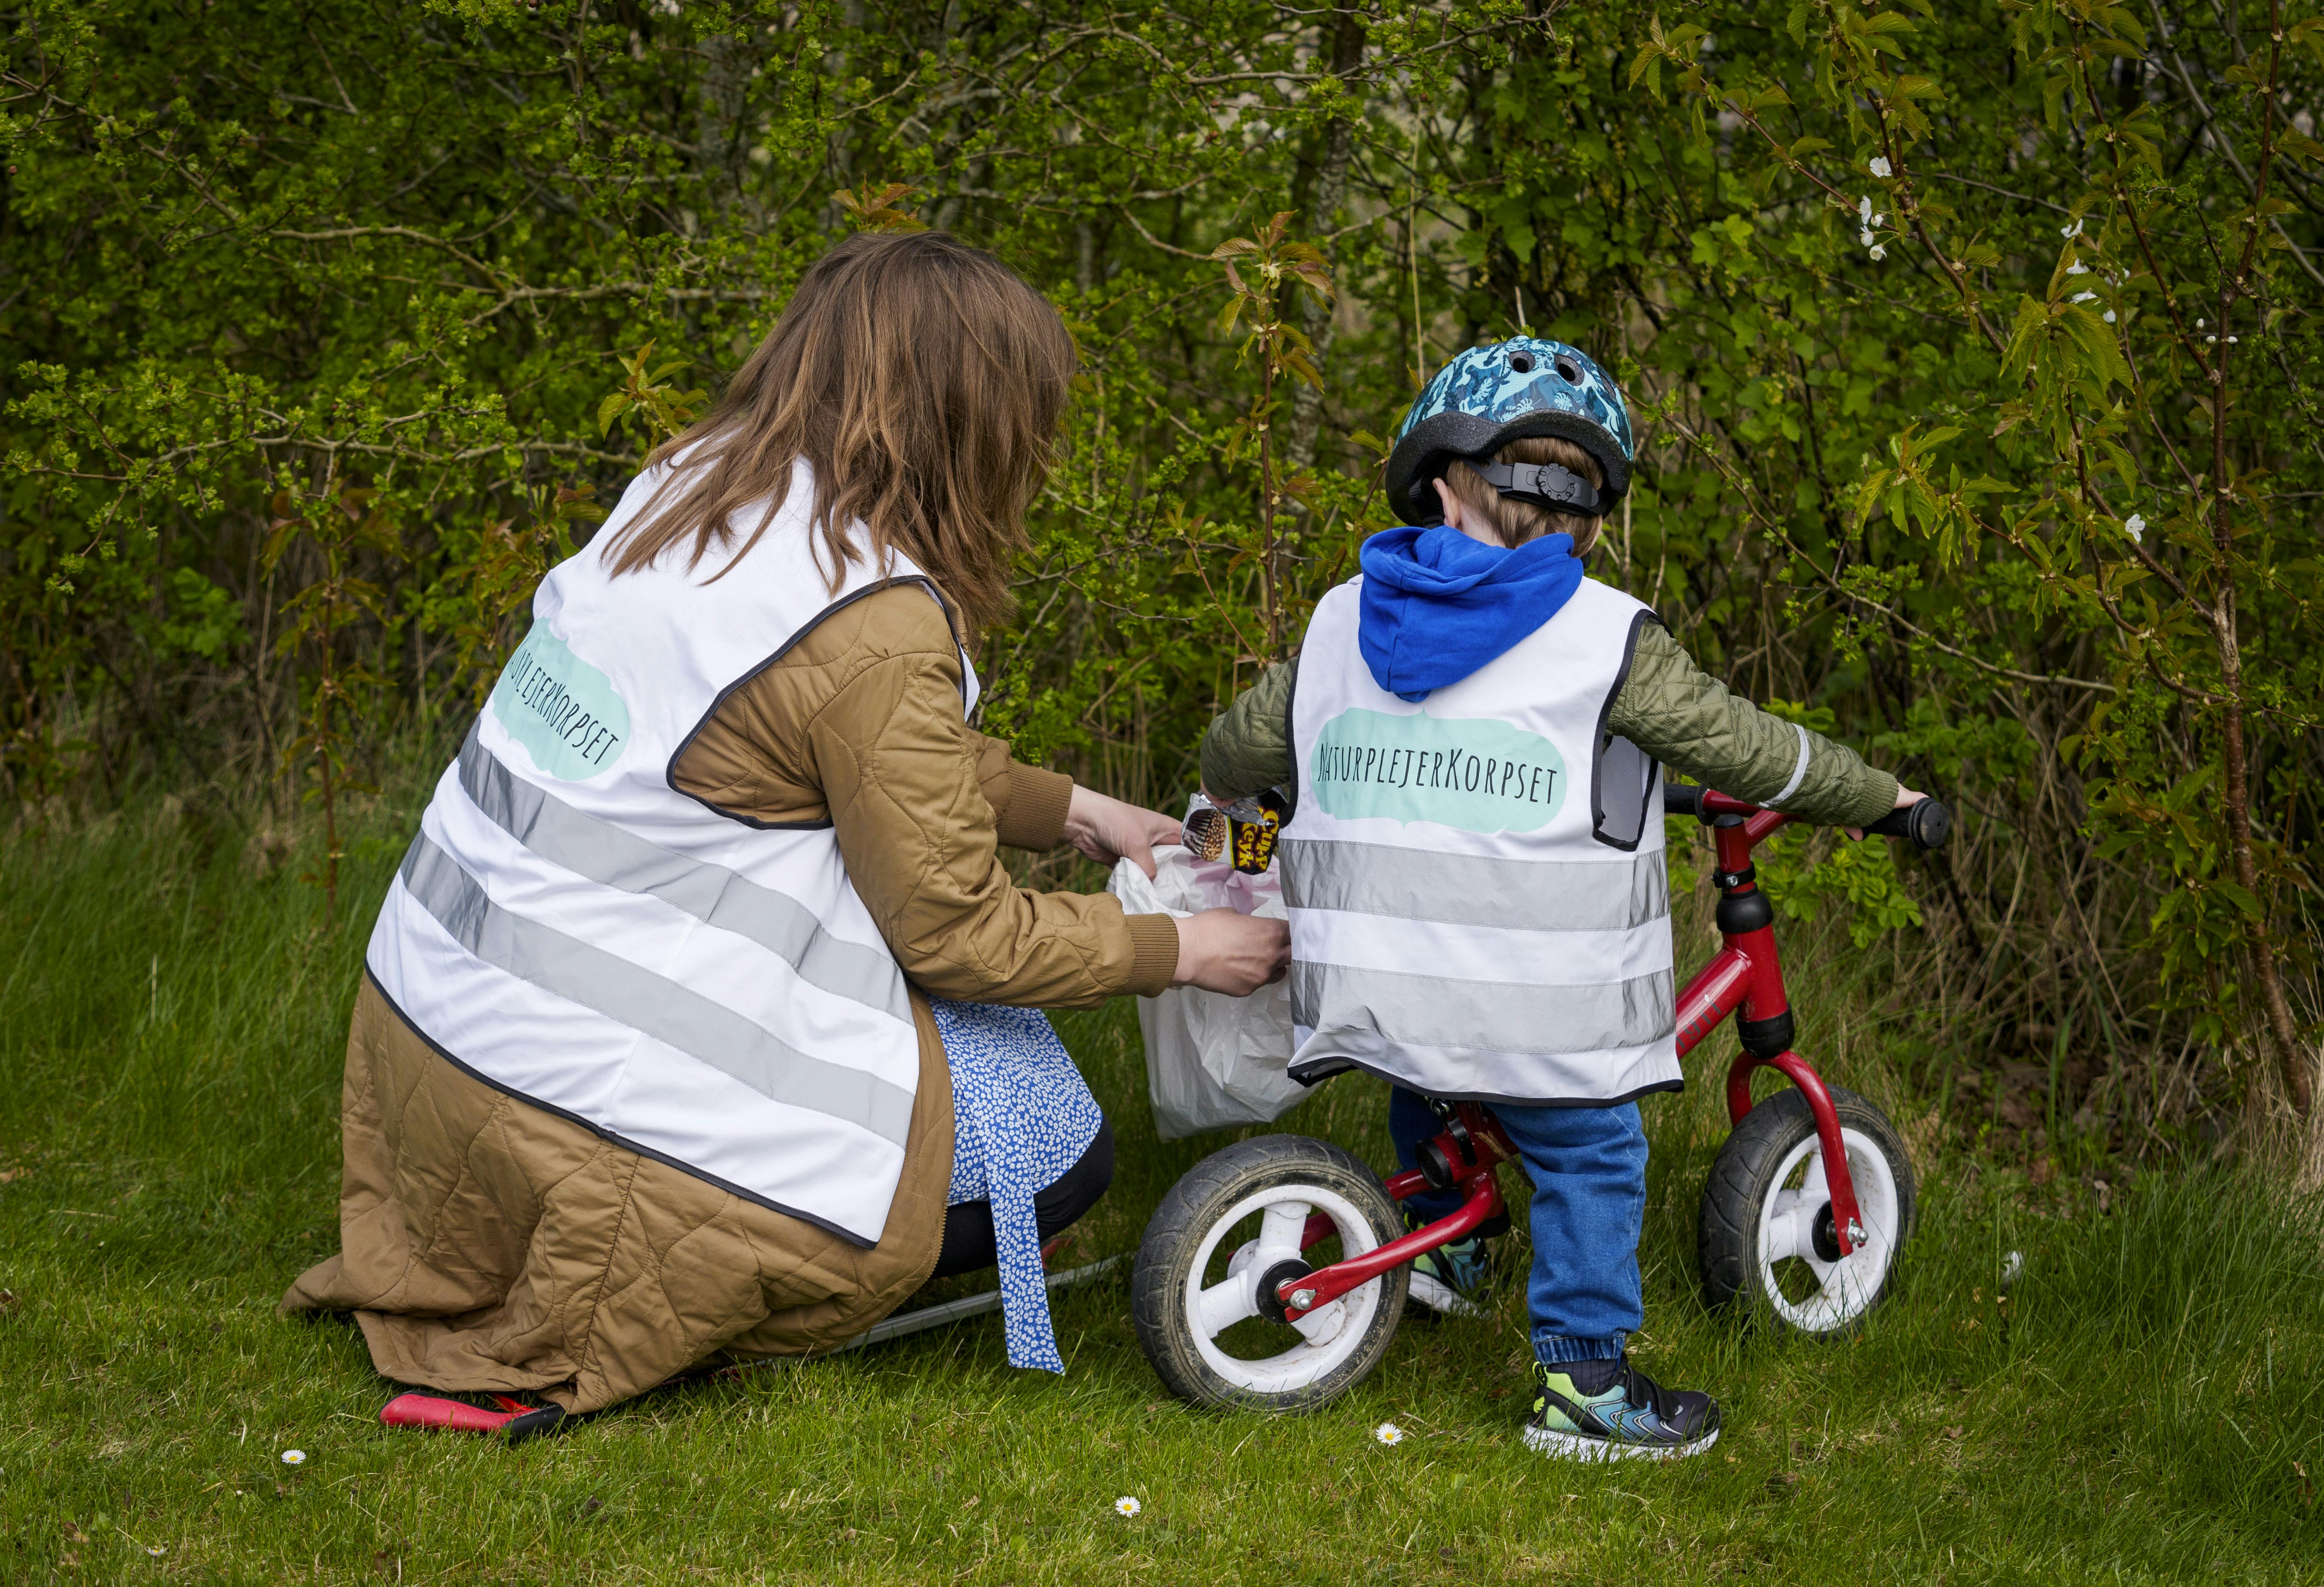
point(2108, 317)
point(1865, 237)
point(1127, 1506)
point(2084, 297)
point(2135, 527)
point(1864, 210)
point(1878, 252)
point(2078, 269)
point(2072, 231)
point(1389, 1433)
point(1880, 166)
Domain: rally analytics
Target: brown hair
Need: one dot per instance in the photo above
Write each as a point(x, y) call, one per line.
point(921, 380)
point(1516, 522)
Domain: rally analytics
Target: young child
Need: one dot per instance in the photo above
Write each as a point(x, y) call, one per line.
point(1473, 864)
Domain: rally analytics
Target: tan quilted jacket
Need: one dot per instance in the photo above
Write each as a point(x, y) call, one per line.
point(486, 1244)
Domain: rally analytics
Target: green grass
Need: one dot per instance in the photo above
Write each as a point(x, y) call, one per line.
point(2142, 1407)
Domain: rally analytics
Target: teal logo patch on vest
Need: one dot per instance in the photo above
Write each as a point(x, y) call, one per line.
point(1479, 775)
point(562, 710)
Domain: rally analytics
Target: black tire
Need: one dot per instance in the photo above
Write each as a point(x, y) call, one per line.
point(1791, 1283)
point(1199, 1230)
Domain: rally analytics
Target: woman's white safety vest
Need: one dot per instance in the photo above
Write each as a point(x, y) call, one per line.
point(703, 989)
point(1479, 907)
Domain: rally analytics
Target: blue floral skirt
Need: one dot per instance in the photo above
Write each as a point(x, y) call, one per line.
point(1022, 1115)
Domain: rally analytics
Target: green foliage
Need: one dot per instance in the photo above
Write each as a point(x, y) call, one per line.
point(1807, 871)
point(1971, 351)
point(645, 392)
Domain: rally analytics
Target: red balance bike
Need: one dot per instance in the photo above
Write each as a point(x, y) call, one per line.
point(1274, 1274)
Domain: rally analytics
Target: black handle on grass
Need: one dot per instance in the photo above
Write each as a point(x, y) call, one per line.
point(1925, 825)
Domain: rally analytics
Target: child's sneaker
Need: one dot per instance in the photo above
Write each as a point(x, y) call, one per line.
point(1594, 1410)
point(1450, 1280)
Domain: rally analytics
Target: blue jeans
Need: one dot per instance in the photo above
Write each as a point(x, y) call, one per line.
point(1588, 1166)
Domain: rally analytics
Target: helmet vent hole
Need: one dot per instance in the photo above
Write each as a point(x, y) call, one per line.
point(1522, 362)
point(1569, 371)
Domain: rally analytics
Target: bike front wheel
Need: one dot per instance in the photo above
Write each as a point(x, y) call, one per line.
point(1768, 1237)
point(1226, 1237)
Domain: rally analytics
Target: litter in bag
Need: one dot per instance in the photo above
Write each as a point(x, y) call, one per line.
point(1211, 1061)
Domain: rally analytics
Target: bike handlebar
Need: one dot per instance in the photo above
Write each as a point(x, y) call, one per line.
point(1926, 825)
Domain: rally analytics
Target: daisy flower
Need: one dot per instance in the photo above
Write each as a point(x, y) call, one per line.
point(1127, 1506)
point(294, 1457)
point(1389, 1433)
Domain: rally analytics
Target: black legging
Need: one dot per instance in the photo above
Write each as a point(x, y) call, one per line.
point(968, 1242)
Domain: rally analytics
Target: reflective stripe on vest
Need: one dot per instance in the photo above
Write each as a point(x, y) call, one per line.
point(570, 928)
point(1477, 888)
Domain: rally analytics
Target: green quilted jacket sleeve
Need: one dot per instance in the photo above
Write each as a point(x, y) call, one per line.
point(1669, 707)
point(1695, 725)
point(1248, 749)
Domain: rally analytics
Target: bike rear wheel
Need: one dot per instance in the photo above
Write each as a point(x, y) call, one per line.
point(1766, 1236)
point(1228, 1234)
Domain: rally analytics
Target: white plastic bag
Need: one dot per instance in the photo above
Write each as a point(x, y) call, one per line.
point(1212, 1061)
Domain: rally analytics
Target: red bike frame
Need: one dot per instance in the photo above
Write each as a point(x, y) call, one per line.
point(1746, 979)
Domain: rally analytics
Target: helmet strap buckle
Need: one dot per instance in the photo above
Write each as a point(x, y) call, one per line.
point(1547, 484)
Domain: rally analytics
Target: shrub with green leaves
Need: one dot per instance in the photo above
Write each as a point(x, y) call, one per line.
point(1972, 351)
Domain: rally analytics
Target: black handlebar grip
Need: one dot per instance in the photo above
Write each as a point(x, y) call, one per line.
point(1682, 799)
point(1925, 825)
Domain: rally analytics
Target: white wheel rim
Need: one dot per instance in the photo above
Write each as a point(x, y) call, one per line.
point(1330, 1335)
point(1845, 1290)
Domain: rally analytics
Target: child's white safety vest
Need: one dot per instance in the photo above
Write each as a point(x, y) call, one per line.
point(1479, 907)
point(705, 989)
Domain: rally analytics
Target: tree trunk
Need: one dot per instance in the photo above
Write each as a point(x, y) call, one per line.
point(2283, 1031)
point(1327, 188)
point(720, 127)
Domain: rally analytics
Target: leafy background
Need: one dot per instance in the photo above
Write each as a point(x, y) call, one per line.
point(1974, 353)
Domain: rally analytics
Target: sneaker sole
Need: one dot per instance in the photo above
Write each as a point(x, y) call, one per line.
point(1436, 1295)
point(1573, 1447)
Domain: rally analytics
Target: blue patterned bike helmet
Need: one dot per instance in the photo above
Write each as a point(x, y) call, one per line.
point(1491, 396)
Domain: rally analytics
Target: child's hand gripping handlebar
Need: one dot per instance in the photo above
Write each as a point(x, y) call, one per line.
point(1926, 824)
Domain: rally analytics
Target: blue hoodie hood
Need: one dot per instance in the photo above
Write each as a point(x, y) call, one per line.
point(1437, 605)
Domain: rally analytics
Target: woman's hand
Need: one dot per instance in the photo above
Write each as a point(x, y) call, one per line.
point(1905, 799)
point(1107, 829)
point(1223, 950)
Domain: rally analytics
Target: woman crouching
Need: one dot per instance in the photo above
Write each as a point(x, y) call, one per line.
point(694, 1026)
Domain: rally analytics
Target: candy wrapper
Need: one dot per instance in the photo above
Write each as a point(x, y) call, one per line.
point(1242, 833)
